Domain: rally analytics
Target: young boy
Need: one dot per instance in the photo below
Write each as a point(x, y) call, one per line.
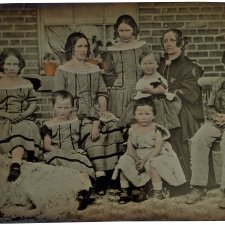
point(60, 139)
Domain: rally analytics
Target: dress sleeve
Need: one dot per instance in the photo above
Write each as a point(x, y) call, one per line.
point(102, 89)
point(32, 98)
point(44, 130)
point(109, 69)
point(190, 89)
point(164, 132)
point(60, 81)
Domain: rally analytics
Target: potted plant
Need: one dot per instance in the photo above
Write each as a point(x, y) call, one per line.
point(49, 64)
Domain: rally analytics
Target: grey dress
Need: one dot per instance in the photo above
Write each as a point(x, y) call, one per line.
point(24, 133)
point(166, 163)
point(86, 86)
point(123, 66)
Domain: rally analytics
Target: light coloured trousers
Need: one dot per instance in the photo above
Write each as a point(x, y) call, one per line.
point(200, 149)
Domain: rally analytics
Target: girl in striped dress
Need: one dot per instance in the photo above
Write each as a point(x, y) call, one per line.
point(60, 138)
point(122, 67)
point(100, 135)
point(19, 134)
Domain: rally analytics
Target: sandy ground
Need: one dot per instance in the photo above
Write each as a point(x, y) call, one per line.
point(106, 208)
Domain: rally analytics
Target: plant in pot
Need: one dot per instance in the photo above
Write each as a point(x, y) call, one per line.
point(49, 64)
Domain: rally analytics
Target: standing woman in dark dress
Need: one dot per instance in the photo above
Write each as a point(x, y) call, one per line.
point(182, 76)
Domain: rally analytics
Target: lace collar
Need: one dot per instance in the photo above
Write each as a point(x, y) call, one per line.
point(117, 47)
point(71, 67)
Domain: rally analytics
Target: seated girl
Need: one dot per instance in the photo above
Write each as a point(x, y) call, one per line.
point(60, 136)
point(149, 156)
point(19, 134)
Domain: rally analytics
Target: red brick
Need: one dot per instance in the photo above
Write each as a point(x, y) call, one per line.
point(209, 61)
point(219, 68)
point(208, 68)
point(13, 20)
point(207, 31)
point(183, 10)
point(197, 54)
point(32, 49)
point(177, 25)
point(6, 27)
point(194, 10)
point(13, 34)
point(220, 38)
point(15, 42)
point(209, 39)
point(144, 33)
point(25, 27)
point(209, 17)
point(207, 46)
point(29, 42)
point(206, 9)
point(196, 24)
point(149, 10)
point(31, 34)
point(216, 54)
point(186, 17)
point(149, 25)
point(164, 18)
point(216, 24)
point(197, 39)
point(31, 20)
point(4, 42)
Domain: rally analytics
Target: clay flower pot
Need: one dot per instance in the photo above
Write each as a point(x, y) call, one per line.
point(50, 68)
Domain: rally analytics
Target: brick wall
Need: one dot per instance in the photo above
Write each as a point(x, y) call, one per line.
point(18, 29)
point(202, 23)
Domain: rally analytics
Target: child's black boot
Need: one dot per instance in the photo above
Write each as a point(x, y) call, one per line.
point(84, 199)
point(100, 185)
point(14, 172)
point(124, 196)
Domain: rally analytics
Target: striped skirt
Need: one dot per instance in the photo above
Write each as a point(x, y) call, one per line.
point(23, 134)
point(72, 159)
point(104, 152)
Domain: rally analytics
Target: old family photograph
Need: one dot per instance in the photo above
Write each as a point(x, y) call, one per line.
point(112, 112)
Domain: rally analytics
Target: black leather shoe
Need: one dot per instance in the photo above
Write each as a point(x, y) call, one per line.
point(14, 172)
point(84, 199)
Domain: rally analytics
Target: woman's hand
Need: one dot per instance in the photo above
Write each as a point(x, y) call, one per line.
point(105, 114)
point(95, 131)
point(220, 119)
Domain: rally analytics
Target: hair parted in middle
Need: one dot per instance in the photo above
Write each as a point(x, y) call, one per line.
point(64, 94)
point(129, 20)
point(181, 41)
point(71, 42)
point(14, 52)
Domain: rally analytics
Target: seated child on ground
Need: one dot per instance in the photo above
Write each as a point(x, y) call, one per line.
point(60, 138)
point(149, 156)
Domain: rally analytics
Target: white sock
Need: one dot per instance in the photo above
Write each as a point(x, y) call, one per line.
point(157, 186)
point(124, 184)
point(100, 173)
